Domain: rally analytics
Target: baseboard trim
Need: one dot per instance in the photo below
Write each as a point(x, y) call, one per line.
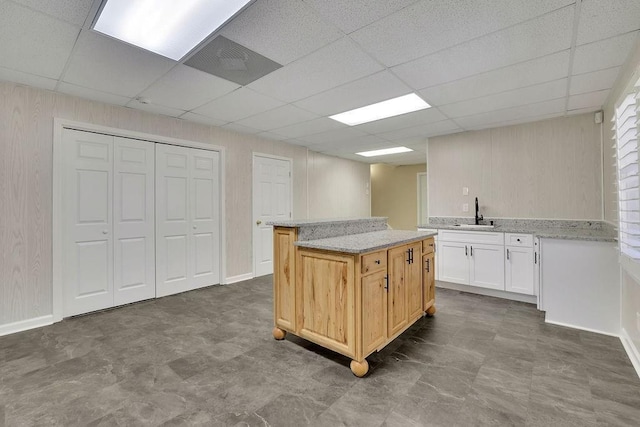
point(24, 325)
point(631, 349)
point(531, 299)
point(568, 325)
point(238, 278)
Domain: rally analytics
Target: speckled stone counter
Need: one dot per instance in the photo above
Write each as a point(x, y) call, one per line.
point(549, 229)
point(312, 229)
point(365, 242)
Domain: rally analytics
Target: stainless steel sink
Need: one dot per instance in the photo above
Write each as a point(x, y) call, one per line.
point(480, 226)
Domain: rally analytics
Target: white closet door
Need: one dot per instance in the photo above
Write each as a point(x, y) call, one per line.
point(88, 197)
point(187, 218)
point(204, 215)
point(172, 219)
point(134, 231)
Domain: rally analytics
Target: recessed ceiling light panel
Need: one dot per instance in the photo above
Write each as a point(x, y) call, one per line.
point(382, 110)
point(169, 28)
point(384, 152)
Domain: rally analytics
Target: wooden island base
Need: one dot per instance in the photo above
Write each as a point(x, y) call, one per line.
point(351, 303)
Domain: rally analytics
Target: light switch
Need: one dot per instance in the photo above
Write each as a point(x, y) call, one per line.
point(465, 191)
point(465, 207)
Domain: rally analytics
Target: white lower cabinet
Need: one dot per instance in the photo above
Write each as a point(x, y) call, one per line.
point(472, 258)
point(482, 259)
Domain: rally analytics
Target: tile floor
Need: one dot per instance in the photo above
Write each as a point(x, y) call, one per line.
point(207, 358)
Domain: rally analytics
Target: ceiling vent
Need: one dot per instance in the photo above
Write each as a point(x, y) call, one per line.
point(229, 60)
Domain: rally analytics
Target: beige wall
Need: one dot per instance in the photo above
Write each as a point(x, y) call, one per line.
point(394, 194)
point(334, 187)
point(546, 169)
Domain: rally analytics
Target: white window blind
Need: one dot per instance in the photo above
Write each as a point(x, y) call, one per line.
point(627, 116)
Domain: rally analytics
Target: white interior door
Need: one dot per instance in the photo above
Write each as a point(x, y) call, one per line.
point(87, 269)
point(271, 202)
point(204, 215)
point(187, 219)
point(133, 230)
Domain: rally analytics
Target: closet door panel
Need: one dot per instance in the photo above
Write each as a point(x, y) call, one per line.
point(173, 229)
point(134, 222)
point(87, 229)
point(205, 221)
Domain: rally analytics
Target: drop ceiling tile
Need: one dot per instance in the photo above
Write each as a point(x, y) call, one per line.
point(587, 100)
point(277, 118)
point(310, 127)
point(597, 80)
point(440, 25)
point(186, 88)
point(603, 19)
point(27, 79)
point(533, 39)
point(92, 94)
point(281, 30)
point(352, 145)
point(442, 127)
point(354, 14)
point(155, 108)
point(539, 70)
point(416, 118)
point(203, 120)
point(513, 98)
point(111, 66)
point(33, 42)
point(556, 106)
point(73, 11)
point(529, 119)
point(367, 90)
point(238, 105)
point(271, 135)
point(603, 54)
point(336, 135)
point(326, 68)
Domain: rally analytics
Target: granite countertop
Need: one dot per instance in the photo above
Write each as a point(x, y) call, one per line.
point(329, 221)
point(549, 229)
point(365, 242)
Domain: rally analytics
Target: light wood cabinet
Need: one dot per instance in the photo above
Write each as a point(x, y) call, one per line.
point(429, 283)
point(353, 304)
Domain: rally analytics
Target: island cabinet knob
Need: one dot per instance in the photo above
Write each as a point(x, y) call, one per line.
point(258, 222)
point(377, 261)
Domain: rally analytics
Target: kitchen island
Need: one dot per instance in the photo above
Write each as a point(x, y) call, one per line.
point(351, 286)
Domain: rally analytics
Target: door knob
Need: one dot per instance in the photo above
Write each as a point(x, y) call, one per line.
point(105, 231)
point(258, 222)
point(195, 226)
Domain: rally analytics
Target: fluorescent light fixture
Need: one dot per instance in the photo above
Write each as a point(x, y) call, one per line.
point(169, 28)
point(382, 110)
point(385, 151)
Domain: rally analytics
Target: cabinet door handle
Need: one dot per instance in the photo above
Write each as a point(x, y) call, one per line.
point(386, 283)
point(535, 257)
point(466, 253)
point(411, 255)
point(507, 253)
point(377, 261)
point(471, 250)
point(408, 256)
point(428, 267)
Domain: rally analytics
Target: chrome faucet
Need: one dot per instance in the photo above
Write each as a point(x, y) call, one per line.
point(478, 216)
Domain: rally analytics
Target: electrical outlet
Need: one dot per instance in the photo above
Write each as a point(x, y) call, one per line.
point(465, 191)
point(465, 207)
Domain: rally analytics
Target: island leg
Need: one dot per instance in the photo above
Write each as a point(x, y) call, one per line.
point(279, 334)
point(359, 369)
point(431, 310)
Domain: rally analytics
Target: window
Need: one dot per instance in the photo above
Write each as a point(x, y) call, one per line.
point(626, 117)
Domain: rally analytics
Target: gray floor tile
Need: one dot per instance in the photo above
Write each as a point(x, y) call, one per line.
point(207, 358)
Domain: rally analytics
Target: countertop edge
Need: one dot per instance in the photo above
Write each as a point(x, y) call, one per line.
point(570, 234)
point(309, 244)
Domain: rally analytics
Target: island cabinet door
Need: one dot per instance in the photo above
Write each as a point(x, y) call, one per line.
point(374, 311)
point(326, 288)
point(398, 315)
point(284, 295)
point(414, 281)
point(428, 280)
